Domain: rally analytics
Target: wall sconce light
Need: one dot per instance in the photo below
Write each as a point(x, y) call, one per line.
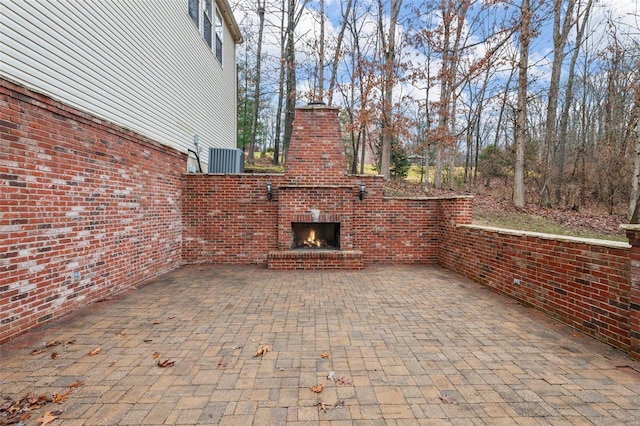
point(269, 191)
point(362, 190)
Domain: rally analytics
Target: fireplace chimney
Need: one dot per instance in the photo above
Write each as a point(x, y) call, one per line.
point(316, 153)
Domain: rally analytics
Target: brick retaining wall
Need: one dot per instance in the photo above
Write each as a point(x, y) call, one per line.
point(583, 283)
point(88, 209)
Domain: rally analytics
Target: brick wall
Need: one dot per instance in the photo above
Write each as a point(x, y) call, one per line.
point(583, 283)
point(88, 209)
point(229, 219)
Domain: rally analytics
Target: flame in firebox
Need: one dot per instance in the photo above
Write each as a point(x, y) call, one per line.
point(312, 239)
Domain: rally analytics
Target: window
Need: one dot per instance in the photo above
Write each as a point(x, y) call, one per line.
point(219, 34)
point(193, 12)
point(205, 23)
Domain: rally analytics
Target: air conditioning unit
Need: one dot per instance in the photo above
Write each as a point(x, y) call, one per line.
point(226, 160)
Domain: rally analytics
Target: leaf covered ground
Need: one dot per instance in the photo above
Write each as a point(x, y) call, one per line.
point(494, 210)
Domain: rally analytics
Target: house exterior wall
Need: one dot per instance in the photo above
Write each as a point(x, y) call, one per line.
point(141, 65)
point(87, 209)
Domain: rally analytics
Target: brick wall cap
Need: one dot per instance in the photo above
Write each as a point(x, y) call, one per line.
point(234, 174)
point(630, 227)
point(556, 237)
point(317, 186)
point(440, 197)
point(318, 106)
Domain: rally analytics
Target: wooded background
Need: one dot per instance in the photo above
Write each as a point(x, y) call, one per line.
point(543, 95)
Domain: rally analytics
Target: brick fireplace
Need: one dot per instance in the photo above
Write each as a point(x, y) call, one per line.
point(232, 218)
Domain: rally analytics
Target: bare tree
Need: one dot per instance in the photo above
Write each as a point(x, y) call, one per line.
point(561, 28)
point(568, 99)
point(256, 93)
point(293, 17)
point(388, 81)
point(521, 109)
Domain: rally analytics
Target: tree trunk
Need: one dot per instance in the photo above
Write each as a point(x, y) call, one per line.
point(281, 80)
point(388, 81)
point(564, 118)
point(521, 109)
point(560, 34)
point(290, 82)
point(321, 59)
point(336, 56)
point(633, 129)
point(256, 106)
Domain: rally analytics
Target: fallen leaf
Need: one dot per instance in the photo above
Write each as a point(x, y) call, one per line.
point(222, 364)
point(262, 351)
point(317, 388)
point(54, 355)
point(343, 380)
point(331, 376)
point(61, 397)
point(70, 342)
point(447, 399)
point(166, 363)
point(339, 404)
point(156, 355)
point(52, 343)
point(156, 322)
point(121, 335)
point(325, 355)
point(322, 405)
point(47, 418)
point(76, 384)
point(36, 352)
point(96, 351)
point(171, 317)
point(148, 340)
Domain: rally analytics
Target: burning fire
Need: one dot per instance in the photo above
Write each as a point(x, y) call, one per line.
point(311, 241)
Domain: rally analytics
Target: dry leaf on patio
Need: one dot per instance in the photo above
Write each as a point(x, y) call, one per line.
point(148, 340)
point(36, 352)
point(96, 351)
point(54, 355)
point(121, 335)
point(156, 355)
point(47, 418)
point(76, 384)
point(262, 351)
point(317, 388)
point(156, 322)
point(325, 355)
point(61, 397)
point(447, 399)
point(222, 364)
point(166, 363)
point(52, 343)
point(343, 380)
point(322, 405)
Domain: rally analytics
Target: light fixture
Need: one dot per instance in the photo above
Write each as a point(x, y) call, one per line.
point(269, 190)
point(362, 190)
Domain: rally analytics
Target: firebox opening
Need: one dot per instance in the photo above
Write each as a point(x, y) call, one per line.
point(313, 235)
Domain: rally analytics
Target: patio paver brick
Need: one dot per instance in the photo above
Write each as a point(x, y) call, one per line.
point(416, 345)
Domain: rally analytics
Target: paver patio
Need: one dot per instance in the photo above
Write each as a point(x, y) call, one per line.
point(413, 344)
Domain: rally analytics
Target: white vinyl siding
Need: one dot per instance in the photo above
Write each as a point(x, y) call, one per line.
point(140, 64)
